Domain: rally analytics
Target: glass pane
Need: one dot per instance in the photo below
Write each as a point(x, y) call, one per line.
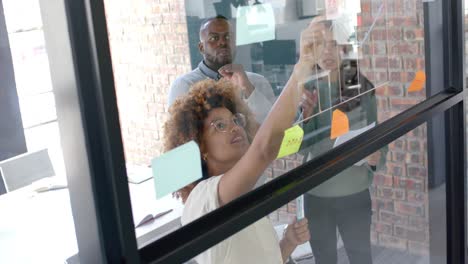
point(370, 67)
point(36, 224)
point(390, 213)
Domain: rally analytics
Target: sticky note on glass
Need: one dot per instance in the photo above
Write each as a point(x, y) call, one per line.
point(340, 124)
point(254, 24)
point(292, 141)
point(176, 169)
point(418, 83)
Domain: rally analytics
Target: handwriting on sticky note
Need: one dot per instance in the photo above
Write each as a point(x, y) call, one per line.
point(340, 124)
point(418, 83)
point(292, 141)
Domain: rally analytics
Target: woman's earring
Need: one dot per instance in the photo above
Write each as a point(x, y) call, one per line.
point(205, 157)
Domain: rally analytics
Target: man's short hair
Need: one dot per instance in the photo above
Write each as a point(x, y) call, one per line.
point(209, 19)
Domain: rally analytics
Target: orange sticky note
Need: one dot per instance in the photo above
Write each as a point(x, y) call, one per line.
point(418, 82)
point(340, 124)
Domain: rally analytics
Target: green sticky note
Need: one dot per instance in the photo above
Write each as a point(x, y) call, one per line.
point(254, 24)
point(176, 168)
point(292, 141)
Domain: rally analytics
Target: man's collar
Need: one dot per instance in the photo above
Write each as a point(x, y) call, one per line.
point(208, 71)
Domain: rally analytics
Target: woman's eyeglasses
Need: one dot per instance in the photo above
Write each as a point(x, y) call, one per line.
point(222, 125)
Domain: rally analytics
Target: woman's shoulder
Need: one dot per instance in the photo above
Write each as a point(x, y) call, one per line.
point(202, 199)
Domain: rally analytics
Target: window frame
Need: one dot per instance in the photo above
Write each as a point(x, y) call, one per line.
point(81, 69)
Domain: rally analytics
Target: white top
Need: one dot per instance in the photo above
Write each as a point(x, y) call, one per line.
point(256, 243)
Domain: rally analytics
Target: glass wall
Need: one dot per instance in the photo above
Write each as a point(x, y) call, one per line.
point(388, 215)
point(370, 67)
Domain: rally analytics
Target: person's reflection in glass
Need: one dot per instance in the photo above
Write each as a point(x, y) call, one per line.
point(343, 202)
point(213, 115)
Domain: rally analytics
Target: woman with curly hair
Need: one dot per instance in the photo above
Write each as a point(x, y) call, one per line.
point(235, 152)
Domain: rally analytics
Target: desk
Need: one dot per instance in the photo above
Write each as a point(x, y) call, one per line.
point(39, 228)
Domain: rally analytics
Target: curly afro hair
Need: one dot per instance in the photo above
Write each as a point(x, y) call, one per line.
point(188, 112)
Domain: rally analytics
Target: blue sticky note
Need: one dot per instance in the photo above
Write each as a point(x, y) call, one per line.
point(176, 168)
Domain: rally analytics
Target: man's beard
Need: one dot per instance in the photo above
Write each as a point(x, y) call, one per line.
point(218, 62)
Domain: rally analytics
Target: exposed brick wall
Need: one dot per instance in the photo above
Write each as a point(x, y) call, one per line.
point(149, 49)
point(391, 57)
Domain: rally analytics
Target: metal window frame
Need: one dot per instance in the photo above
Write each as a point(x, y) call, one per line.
point(80, 62)
point(78, 48)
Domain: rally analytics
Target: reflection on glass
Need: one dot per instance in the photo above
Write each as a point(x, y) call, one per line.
point(375, 214)
point(367, 58)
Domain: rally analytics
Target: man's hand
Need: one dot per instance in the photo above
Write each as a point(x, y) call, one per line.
point(297, 233)
point(308, 103)
point(236, 74)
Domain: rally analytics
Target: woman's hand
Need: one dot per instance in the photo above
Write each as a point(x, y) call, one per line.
point(311, 47)
point(308, 103)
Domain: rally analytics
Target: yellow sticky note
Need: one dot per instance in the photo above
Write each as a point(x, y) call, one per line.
point(340, 124)
point(418, 82)
point(292, 141)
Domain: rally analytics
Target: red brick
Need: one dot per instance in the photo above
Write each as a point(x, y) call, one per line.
point(398, 156)
point(365, 63)
point(418, 222)
point(383, 204)
point(394, 63)
point(417, 197)
point(409, 183)
point(410, 64)
point(395, 34)
point(381, 62)
point(409, 209)
point(279, 164)
point(382, 116)
point(382, 228)
point(381, 92)
point(378, 34)
point(392, 242)
point(402, 21)
point(394, 90)
point(414, 34)
point(404, 48)
point(398, 144)
point(415, 145)
point(391, 193)
point(292, 164)
point(382, 104)
point(383, 180)
point(368, 19)
point(410, 234)
point(393, 218)
point(396, 169)
point(292, 207)
point(416, 171)
point(419, 132)
point(403, 103)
